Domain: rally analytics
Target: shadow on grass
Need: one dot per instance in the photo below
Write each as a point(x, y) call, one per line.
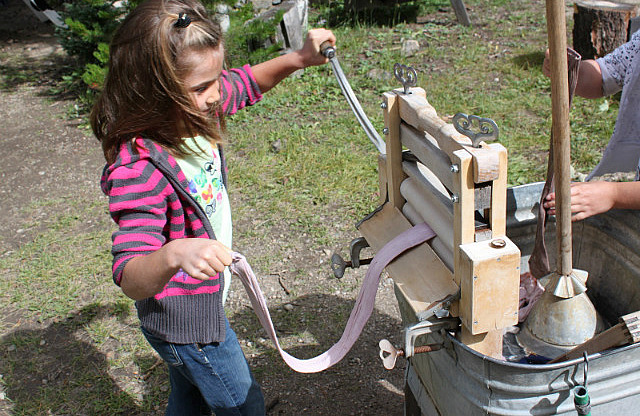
point(53, 370)
point(378, 15)
point(529, 60)
point(359, 384)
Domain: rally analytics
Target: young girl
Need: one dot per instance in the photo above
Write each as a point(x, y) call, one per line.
point(160, 119)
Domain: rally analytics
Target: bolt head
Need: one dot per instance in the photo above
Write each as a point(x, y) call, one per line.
point(498, 243)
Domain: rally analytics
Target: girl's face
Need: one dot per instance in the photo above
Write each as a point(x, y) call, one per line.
point(203, 81)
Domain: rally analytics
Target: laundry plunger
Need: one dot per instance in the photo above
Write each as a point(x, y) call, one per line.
point(563, 317)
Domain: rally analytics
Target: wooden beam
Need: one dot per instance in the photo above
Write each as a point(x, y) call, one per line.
point(464, 199)
point(382, 178)
point(489, 344)
point(395, 175)
point(463, 210)
point(416, 111)
point(498, 218)
point(486, 163)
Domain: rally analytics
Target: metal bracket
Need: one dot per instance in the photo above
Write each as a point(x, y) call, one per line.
point(425, 328)
point(439, 309)
point(406, 75)
point(356, 246)
point(464, 124)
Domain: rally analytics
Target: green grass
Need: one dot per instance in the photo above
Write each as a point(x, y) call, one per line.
point(62, 262)
point(77, 333)
point(321, 181)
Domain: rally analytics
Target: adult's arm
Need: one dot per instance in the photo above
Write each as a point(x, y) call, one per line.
point(589, 83)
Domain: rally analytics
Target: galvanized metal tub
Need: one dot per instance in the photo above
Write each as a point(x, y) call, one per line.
point(457, 381)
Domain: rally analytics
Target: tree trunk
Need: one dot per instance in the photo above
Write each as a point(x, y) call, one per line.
point(600, 27)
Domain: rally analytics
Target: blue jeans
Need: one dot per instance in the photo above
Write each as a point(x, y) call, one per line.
point(213, 377)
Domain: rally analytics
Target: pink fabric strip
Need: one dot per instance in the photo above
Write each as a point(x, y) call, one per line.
point(361, 310)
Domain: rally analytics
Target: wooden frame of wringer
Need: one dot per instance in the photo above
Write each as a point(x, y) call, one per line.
point(454, 181)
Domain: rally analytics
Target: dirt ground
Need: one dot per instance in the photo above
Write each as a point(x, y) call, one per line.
point(44, 153)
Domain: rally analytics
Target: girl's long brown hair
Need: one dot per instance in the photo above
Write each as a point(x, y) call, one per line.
point(143, 91)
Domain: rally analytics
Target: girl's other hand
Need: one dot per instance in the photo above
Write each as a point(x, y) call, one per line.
point(200, 258)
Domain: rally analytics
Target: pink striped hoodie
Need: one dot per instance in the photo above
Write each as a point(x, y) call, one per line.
point(150, 203)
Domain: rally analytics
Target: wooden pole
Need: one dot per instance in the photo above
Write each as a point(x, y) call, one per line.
point(557, 33)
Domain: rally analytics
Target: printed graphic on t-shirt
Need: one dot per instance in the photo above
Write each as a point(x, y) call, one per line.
point(203, 173)
point(206, 186)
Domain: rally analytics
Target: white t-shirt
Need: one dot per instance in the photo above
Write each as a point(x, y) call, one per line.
point(204, 174)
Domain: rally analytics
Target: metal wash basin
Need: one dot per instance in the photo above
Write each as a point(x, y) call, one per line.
point(457, 380)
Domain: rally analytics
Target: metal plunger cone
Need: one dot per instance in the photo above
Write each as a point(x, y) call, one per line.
point(562, 318)
point(569, 286)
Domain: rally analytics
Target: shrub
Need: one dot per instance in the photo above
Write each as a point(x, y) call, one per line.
point(91, 24)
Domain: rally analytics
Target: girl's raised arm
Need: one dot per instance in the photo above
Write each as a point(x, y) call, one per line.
point(269, 73)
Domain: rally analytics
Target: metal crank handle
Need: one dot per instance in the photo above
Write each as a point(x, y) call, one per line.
point(330, 53)
point(389, 353)
point(327, 49)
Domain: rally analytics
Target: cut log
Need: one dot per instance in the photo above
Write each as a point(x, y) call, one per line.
point(600, 26)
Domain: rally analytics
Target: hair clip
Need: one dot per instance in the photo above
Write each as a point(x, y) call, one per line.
point(183, 20)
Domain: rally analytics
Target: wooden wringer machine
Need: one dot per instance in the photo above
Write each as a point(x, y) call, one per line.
point(466, 279)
